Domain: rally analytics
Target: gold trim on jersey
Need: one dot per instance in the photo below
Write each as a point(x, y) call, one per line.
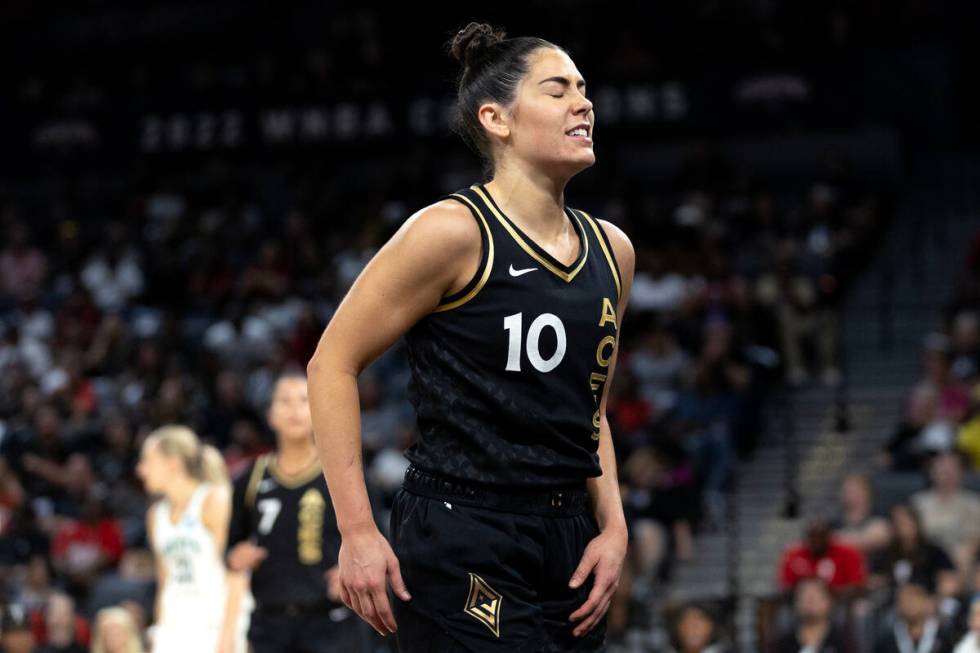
point(605, 250)
point(293, 482)
point(486, 269)
point(566, 276)
point(258, 471)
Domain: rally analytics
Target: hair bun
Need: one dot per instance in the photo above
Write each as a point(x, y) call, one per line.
point(473, 40)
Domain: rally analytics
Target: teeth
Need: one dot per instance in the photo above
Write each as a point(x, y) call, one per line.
point(580, 131)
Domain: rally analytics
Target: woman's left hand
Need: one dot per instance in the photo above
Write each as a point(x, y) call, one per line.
point(603, 557)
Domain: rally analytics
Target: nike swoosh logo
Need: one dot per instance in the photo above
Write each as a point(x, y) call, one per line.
point(517, 273)
point(266, 485)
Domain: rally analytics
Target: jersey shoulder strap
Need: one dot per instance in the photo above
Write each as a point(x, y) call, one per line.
point(258, 472)
point(606, 248)
point(161, 520)
point(195, 507)
point(468, 197)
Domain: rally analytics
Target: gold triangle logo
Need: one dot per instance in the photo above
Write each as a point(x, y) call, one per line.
point(483, 604)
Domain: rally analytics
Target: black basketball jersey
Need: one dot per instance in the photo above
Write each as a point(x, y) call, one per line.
point(507, 373)
point(293, 519)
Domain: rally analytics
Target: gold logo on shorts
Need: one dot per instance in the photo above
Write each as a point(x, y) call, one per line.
point(483, 603)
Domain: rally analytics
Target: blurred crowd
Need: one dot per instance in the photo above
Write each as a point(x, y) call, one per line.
point(181, 302)
point(897, 566)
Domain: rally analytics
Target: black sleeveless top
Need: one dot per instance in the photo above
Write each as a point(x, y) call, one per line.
point(507, 373)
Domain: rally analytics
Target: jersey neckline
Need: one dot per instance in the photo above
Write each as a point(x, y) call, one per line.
point(538, 253)
point(201, 487)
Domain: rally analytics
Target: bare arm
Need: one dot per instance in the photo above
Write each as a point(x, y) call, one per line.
point(216, 515)
point(434, 252)
point(604, 555)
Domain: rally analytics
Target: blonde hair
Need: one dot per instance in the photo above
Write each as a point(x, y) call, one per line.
point(122, 617)
point(202, 461)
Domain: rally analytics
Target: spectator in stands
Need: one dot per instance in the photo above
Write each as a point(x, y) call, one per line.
point(84, 547)
point(35, 589)
point(965, 365)
point(911, 554)
point(64, 632)
point(971, 641)
point(814, 630)
point(115, 632)
point(937, 373)
point(695, 628)
point(23, 539)
point(858, 525)
point(950, 514)
point(968, 436)
point(802, 318)
point(840, 566)
point(16, 634)
point(134, 581)
point(114, 275)
point(659, 364)
point(917, 626)
point(920, 434)
point(659, 503)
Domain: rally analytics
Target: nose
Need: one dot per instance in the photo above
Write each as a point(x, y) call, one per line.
point(583, 105)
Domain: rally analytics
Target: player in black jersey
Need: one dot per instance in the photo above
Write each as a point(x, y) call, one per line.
point(284, 531)
point(508, 533)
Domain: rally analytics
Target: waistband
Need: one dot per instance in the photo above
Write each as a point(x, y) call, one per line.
point(293, 609)
point(551, 502)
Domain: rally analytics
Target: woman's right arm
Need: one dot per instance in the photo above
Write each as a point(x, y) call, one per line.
point(435, 252)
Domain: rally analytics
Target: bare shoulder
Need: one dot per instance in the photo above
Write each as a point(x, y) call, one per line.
point(440, 225)
point(218, 497)
point(622, 247)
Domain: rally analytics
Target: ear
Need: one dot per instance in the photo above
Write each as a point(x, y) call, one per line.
point(494, 119)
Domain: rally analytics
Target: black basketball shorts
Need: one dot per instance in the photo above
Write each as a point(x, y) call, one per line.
point(486, 580)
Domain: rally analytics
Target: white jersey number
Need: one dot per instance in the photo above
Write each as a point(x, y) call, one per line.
point(270, 510)
point(513, 325)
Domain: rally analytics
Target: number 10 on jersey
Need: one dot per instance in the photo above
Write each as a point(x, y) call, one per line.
point(513, 324)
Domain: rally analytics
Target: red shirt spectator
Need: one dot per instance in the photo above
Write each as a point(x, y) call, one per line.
point(841, 566)
point(80, 546)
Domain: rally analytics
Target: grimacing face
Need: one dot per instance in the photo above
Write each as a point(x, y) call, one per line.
point(550, 102)
point(289, 412)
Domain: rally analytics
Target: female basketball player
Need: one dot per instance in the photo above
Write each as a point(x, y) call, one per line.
point(508, 533)
point(187, 528)
point(283, 531)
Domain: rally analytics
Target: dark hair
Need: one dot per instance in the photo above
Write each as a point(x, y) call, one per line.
point(492, 67)
point(709, 610)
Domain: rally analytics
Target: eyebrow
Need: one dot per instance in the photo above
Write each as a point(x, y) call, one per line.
point(564, 81)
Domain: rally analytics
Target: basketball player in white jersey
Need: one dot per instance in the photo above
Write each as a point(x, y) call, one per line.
point(187, 529)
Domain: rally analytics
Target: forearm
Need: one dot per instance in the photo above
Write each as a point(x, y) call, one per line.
point(335, 407)
point(237, 584)
point(607, 502)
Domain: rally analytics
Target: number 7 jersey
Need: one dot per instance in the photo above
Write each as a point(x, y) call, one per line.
point(507, 373)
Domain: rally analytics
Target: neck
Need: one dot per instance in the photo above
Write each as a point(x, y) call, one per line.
point(812, 632)
point(180, 490)
point(532, 200)
point(946, 491)
point(855, 513)
point(916, 628)
point(295, 456)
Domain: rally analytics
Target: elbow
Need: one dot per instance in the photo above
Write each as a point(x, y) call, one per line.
point(315, 367)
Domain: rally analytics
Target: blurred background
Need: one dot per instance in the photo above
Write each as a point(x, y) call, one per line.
point(187, 190)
